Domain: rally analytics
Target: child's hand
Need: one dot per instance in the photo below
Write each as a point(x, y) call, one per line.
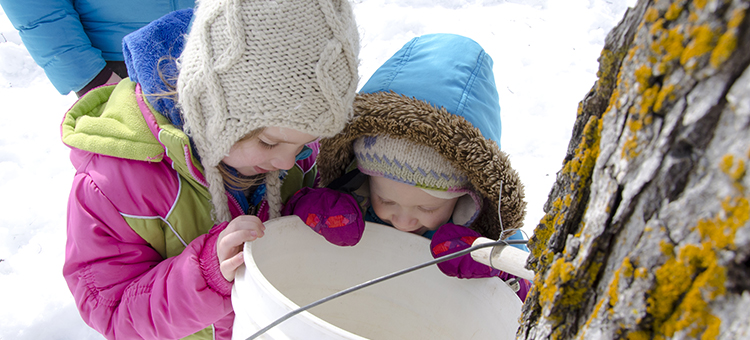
point(231, 240)
point(450, 238)
point(330, 213)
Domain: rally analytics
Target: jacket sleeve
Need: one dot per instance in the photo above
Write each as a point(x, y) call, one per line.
point(55, 38)
point(123, 288)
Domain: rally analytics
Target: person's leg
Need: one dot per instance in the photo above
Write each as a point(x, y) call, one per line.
point(112, 67)
point(119, 68)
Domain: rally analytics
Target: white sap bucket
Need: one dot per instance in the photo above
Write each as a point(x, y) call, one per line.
point(292, 266)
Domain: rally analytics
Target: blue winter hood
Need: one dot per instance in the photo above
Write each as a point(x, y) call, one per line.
point(445, 70)
point(438, 91)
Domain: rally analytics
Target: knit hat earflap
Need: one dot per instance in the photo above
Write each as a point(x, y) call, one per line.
point(421, 166)
point(257, 64)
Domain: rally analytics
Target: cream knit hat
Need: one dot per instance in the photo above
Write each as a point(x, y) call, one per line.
point(255, 64)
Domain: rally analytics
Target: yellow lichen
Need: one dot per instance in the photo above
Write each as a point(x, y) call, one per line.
point(630, 148)
point(693, 313)
point(562, 285)
point(656, 27)
point(542, 233)
point(721, 230)
point(667, 248)
point(699, 4)
point(613, 286)
point(688, 282)
point(672, 44)
point(651, 14)
point(666, 93)
point(641, 273)
point(736, 18)
point(597, 308)
point(608, 63)
point(581, 227)
point(582, 164)
point(674, 11)
point(739, 171)
point(639, 335)
point(557, 204)
point(735, 170)
point(627, 268)
point(631, 52)
point(625, 271)
point(724, 48)
point(702, 42)
point(661, 68)
point(548, 256)
point(726, 163)
point(643, 77)
point(648, 99)
point(712, 329)
point(560, 271)
point(613, 99)
point(671, 281)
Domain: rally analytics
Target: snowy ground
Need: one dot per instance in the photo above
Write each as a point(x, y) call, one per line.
point(545, 55)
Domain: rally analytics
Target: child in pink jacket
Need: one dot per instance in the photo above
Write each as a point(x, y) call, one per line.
point(167, 192)
point(422, 154)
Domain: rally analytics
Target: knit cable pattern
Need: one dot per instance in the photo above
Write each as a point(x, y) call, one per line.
point(256, 64)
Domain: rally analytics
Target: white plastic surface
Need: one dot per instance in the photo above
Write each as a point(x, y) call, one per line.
point(293, 266)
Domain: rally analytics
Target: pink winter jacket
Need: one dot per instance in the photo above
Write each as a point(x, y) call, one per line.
point(141, 256)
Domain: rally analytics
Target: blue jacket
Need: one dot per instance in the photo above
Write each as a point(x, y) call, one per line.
point(71, 40)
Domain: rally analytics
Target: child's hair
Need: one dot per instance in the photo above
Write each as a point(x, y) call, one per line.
point(236, 181)
point(166, 68)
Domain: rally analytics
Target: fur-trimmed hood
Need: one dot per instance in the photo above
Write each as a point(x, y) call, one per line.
point(455, 110)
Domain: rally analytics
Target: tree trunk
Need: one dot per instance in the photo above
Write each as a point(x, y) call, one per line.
point(647, 233)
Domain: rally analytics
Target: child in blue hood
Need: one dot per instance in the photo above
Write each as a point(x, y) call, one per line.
point(422, 154)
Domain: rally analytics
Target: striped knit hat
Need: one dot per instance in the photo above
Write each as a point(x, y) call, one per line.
point(255, 64)
point(406, 162)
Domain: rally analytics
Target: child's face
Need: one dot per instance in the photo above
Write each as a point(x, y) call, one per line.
point(407, 207)
point(273, 149)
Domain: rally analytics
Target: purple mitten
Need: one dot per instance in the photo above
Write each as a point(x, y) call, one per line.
point(333, 214)
point(450, 238)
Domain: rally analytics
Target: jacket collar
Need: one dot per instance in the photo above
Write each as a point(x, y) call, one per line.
point(116, 121)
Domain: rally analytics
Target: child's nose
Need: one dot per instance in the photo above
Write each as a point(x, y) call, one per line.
point(404, 222)
point(284, 161)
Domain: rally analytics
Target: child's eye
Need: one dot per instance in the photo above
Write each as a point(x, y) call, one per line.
point(266, 145)
point(427, 210)
point(384, 202)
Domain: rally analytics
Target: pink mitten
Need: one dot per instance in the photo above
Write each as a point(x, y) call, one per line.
point(450, 238)
point(333, 214)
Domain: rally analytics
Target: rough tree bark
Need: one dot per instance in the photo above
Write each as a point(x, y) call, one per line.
point(647, 233)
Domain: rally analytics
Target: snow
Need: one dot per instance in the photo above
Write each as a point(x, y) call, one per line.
point(545, 56)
